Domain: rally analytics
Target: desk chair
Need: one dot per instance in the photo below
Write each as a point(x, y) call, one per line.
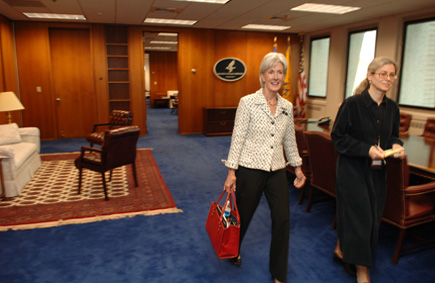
point(303, 153)
point(407, 206)
point(323, 159)
point(174, 109)
point(118, 118)
point(118, 149)
point(429, 128)
point(405, 122)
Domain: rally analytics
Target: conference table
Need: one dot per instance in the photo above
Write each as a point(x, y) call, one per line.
point(420, 151)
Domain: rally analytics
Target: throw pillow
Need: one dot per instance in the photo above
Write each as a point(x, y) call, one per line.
point(9, 134)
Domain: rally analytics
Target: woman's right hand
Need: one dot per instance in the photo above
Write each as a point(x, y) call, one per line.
point(376, 153)
point(230, 182)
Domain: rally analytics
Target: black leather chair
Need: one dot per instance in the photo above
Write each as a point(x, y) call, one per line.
point(118, 118)
point(118, 149)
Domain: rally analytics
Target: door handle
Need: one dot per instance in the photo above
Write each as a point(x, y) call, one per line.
point(58, 99)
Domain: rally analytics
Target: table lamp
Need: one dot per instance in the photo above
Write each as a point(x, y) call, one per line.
point(9, 102)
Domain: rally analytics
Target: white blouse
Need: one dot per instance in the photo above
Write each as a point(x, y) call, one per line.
point(259, 139)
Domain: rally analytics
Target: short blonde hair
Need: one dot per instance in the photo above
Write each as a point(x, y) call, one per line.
point(269, 61)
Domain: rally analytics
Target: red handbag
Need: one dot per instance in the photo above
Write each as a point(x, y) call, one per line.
point(224, 232)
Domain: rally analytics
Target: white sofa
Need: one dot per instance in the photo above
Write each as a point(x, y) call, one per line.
point(19, 151)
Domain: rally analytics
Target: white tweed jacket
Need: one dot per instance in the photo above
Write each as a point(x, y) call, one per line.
point(259, 139)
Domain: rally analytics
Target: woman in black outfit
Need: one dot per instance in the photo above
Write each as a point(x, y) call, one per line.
point(367, 123)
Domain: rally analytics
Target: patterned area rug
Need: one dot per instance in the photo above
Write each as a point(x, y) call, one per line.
point(51, 198)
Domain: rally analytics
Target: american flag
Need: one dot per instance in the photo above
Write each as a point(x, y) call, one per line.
point(287, 88)
point(301, 98)
point(275, 45)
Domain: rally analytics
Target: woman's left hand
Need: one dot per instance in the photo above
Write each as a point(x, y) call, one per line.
point(300, 178)
point(401, 150)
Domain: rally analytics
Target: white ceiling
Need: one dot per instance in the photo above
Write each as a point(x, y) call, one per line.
point(231, 16)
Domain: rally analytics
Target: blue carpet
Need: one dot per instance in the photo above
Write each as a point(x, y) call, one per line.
point(176, 247)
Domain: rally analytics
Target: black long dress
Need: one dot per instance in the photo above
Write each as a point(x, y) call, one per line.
point(361, 190)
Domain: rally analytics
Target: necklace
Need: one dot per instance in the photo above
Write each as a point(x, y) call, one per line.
point(272, 104)
point(270, 101)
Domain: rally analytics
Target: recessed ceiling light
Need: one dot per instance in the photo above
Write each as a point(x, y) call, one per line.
point(323, 8)
point(163, 42)
point(167, 34)
point(157, 48)
point(206, 1)
point(55, 16)
point(266, 27)
point(169, 21)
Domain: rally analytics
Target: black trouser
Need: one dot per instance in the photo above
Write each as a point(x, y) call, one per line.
point(250, 186)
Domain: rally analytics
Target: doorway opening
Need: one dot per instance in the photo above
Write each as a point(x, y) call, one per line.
point(161, 70)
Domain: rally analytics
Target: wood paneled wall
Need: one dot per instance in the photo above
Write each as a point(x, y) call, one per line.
point(163, 73)
point(34, 70)
point(137, 75)
point(8, 69)
point(33, 59)
point(98, 43)
point(199, 50)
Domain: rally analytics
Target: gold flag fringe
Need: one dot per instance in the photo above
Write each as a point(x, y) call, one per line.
point(84, 220)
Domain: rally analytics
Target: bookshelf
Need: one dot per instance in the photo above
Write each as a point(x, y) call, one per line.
point(118, 67)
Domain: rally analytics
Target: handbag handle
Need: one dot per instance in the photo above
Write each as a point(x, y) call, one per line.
point(233, 200)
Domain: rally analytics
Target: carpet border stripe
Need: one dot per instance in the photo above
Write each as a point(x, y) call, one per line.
point(84, 220)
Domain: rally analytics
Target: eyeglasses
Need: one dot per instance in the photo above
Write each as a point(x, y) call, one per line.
point(384, 76)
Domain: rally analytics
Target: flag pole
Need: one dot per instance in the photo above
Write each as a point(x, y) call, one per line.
point(275, 45)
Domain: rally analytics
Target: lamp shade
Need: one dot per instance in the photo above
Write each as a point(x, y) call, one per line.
point(9, 102)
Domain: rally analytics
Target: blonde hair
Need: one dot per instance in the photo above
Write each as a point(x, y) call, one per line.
point(269, 61)
point(377, 63)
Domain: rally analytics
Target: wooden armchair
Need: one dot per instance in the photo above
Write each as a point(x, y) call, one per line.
point(405, 122)
point(429, 128)
point(407, 206)
point(323, 159)
point(118, 149)
point(303, 153)
point(118, 118)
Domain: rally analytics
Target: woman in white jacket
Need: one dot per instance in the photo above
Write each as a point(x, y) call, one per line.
point(263, 132)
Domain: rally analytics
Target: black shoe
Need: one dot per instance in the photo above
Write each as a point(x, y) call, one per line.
point(349, 267)
point(237, 261)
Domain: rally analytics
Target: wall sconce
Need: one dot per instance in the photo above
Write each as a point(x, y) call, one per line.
point(9, 102)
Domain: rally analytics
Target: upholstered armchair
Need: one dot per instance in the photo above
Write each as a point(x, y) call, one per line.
point(429, 128)
point(405, 122)
point(306, 167)
point(323, 159)
point(118, 149)
point(118, 118)
point(19, 155)
point(407, 205)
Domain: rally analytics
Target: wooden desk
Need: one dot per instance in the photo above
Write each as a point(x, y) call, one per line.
point(312, 125)
point(161, 103)
point(219, 121)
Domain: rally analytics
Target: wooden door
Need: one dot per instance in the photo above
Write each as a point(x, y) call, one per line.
point(73, 81)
